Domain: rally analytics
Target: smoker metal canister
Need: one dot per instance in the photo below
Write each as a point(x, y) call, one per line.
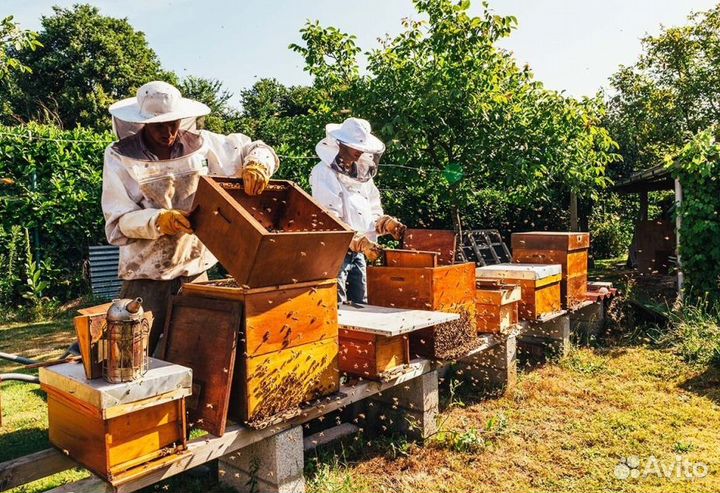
point(126, 341)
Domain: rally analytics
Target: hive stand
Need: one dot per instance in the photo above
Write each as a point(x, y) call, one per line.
point(273, 457)
point(587, 320)
point(493, 367)
point(274, 465)
point(548, 337)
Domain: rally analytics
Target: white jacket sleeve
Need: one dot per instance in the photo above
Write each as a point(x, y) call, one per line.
point(326, 190)
point(375, 204)
point(125, 219)
point(229, 154)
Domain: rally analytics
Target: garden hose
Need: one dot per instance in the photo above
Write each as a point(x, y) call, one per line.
point(17, 359)
point(19, 377)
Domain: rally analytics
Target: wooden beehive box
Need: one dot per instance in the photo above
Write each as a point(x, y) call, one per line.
point(442, 241)
point(447, 288)
point(496, 306)
point(118, 431)
point(374, 340)
point(288, 345)
point(570, 250)
point(539, 284)
point(279, 237)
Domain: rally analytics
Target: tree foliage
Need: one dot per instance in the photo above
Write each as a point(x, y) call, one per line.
point(13, 39)
point(697, 166)
point(52, 180)
point(86, 62)
point(449, 102)
point(670, 94)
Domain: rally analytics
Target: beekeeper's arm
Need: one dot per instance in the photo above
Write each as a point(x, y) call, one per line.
point(384, 224)
point(237, 155)
point(125, 219)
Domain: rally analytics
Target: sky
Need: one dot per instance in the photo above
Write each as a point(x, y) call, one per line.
point(571, 45)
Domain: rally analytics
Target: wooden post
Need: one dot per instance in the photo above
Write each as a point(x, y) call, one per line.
point(678, 225)
point(644, 205)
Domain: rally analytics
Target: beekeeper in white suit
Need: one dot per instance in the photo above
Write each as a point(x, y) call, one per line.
point(149, 181)
point(343, 183)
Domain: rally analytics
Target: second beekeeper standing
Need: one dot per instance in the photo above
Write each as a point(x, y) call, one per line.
point(149, 181)
point(343, 183)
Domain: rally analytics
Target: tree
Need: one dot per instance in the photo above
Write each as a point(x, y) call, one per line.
point(86, 62)
point(212, 93)
point(12, 38)
point(466, 127)
point(671, 93)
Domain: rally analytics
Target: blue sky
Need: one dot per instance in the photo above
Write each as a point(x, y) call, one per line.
point(572, 45)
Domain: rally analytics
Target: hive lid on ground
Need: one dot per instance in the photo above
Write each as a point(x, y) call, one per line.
point(551, 240)
point(161, 378)
point(389, 322)
point(518, 271)
point(281, 236)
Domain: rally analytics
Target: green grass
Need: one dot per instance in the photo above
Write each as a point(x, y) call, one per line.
point(564, 427)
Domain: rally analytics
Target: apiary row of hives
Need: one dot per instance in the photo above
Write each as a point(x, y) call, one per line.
point(256, 347)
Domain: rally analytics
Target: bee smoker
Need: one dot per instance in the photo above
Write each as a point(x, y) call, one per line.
point(125, 341)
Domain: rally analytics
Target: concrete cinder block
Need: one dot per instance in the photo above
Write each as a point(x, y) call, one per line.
point(272, 465)
point(411, 408)
point(494, 369)
point(586, 322)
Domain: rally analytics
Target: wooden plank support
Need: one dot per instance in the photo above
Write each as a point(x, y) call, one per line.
point(205, 449)
point(23, 470)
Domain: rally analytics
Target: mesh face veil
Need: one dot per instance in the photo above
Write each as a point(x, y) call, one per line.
point(363, 169)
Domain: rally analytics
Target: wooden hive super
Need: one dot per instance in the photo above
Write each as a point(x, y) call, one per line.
point(287, 348)
point(570, 250)
point(540, 286)
point(497, 306)
point(279, 237)
point(413, 280)
point(118, 431)
point(374, 340)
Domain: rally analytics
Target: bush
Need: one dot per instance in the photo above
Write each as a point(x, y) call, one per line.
point(52, 181)
point(697, 166)
point(695, 333)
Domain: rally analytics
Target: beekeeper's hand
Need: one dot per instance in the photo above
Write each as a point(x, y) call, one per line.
point(388, 225)
point(371, 250)
point(173, 221)
point(255, 178)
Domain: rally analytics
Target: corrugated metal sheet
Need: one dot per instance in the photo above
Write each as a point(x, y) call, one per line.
point(103, 271)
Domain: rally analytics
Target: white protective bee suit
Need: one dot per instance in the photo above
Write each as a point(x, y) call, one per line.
point(135, 192)
point(354, 199)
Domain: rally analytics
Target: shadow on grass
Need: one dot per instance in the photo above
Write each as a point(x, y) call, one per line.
point(22, 442)
point(706, 384)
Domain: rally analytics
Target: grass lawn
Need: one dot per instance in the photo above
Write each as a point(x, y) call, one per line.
point(564, 427)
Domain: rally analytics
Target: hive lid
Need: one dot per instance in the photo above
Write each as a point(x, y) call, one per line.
point(162, 377)
point(389, 322)
point(551, 240)
point(518, 271)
